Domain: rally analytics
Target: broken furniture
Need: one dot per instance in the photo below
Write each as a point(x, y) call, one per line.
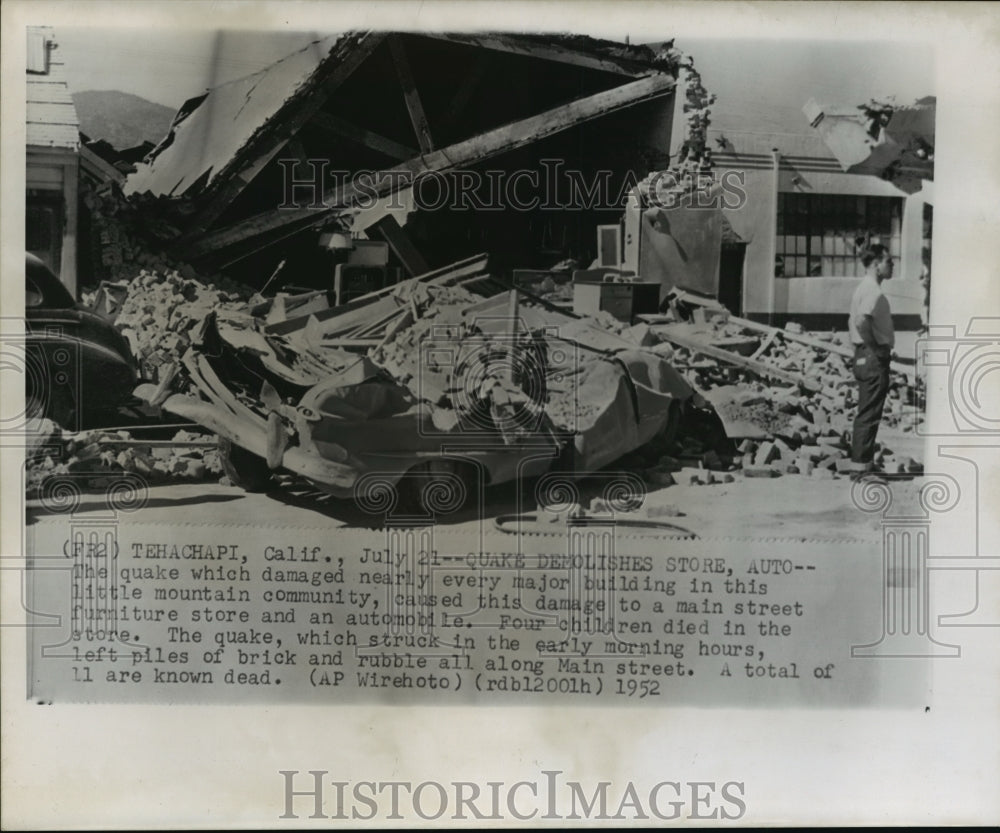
point(608, 290)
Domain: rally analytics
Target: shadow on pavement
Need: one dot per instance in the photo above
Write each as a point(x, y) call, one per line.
point(95, 502)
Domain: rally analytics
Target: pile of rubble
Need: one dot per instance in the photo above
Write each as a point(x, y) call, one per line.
point(796, 429)
point(120, 240)
point(413, 355)
point(95, 458)
point(155, 300)
point(687, 173)
point(797, 394)
point(161, 313)
point(795, 390)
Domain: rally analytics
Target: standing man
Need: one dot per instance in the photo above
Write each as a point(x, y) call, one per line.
point(870, 327)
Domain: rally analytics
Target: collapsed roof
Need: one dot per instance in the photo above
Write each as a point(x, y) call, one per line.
point(892, 142)
point(396, 104)
point(212, 131)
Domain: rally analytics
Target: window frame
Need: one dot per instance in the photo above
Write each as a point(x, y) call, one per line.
point(814, 232)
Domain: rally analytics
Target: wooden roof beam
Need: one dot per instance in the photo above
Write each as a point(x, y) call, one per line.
point(548, 52)
point(362, 136)
point(411, 95)
point(341, 68)
point(469, 151)
point(91, 162)
point(463, 95)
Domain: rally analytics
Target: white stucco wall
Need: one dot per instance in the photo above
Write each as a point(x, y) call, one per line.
point(755, 222)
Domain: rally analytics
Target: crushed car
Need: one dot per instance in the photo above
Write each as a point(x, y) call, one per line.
point(420, 384)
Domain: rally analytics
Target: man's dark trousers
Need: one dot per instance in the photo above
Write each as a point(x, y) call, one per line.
point(871, 369)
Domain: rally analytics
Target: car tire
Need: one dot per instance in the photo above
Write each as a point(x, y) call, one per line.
point(244, 468)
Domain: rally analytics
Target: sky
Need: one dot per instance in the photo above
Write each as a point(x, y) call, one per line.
point(837, 73)
point(170, 66)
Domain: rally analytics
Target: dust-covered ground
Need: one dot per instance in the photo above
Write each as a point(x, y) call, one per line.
point(792, 506)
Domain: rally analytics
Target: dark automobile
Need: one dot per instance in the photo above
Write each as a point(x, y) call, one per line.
point(79, 367)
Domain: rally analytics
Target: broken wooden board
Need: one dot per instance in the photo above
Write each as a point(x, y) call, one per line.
point(361, 309)
point(499, 140)
point(338, 319)
point(816, 343)
point(411, 95)
point(362, 136)
point(725, 400)
point(765, 344)
point(774, 333)
point(389, 230)
point(760, 368)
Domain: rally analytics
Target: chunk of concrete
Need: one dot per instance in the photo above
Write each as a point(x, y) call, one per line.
point(783, 446)
point(711, 460)
point(761, 471)
point(767, 452)
point(658, 477)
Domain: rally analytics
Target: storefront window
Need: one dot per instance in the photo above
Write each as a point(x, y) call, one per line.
point(818, 234)
point(43, 227)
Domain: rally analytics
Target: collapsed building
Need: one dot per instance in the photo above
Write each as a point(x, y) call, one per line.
point(388, 243)
point(518, 146)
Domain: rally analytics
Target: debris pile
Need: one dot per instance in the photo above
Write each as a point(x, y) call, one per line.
point(155, 300)
point(792, 428)
point(458, 353)
point(120, 240)
point(95, 458)
point(453, 351)
point(688, 172)
point(161, 313)
point(756, 408)
point(554, 284)
point(433, 318)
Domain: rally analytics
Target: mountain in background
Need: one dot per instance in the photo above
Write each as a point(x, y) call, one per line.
point(121, 119)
